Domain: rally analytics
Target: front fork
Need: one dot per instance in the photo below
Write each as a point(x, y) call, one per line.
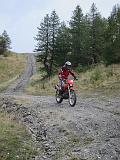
point(69, 91)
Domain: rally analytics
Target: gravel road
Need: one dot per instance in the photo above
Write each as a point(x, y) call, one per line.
point(88, 131)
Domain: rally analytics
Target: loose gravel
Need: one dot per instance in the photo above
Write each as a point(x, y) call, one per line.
point(88, 131)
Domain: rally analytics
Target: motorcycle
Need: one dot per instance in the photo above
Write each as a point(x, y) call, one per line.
point(67, 92)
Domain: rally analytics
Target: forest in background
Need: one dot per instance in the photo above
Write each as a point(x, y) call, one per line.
point(87, 40)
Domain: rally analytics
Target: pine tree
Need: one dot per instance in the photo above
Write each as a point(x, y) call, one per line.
point(2, 45)
point(5, 42)
point(7, 39)
point(54, 26)
point(86, 42)
point(63, 44)
point(97, 27)
point(112, 53)
point(46, 37)
point(77, 28)
point(43, 39)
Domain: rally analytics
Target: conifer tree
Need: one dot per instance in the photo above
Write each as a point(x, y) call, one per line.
point(77, 28)
point(97, 27)
point(2, 45)
point(5, 42)
point(43, 39)
point(46, 38)
point(63, 44)
point(112, 36)
point(7, 39)
point(54, 26)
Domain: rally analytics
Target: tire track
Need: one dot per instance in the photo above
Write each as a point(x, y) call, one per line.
point(18, 86)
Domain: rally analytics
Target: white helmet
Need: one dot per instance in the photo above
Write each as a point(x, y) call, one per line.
point(68, 64)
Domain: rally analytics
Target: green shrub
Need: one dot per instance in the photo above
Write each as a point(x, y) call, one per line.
point(110, 72)
point(81, 68)
point(96, 75)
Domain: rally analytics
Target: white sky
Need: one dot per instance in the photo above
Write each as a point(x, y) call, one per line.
point(22, 17)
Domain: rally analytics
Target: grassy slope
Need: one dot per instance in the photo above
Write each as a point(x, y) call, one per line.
point(15, 142)
point(99, 77)
point(10, 68)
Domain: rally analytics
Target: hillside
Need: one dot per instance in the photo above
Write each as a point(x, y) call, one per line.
point(96, 78)
point(10, 68)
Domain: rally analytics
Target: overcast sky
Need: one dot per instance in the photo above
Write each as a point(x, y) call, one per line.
point(21, 17)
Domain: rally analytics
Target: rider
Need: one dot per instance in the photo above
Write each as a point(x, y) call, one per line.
point(64, 73)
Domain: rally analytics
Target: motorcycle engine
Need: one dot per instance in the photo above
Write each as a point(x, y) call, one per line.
point(66, 95)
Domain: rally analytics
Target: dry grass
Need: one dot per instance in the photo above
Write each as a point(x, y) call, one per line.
point(10, 68)
point(15, 142)
point(99, 77)
point(38, 87)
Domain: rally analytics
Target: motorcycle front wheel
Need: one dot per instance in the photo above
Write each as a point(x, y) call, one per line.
point(72, 98)
point(59, 98)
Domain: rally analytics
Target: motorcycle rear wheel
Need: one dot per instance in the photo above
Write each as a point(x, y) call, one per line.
point(72, 98)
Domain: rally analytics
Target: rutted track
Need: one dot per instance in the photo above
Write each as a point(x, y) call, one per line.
point(21, 81)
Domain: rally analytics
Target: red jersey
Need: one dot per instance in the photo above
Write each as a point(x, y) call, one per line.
point(64, 73)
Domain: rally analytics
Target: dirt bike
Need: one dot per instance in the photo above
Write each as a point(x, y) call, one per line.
point(67, 92)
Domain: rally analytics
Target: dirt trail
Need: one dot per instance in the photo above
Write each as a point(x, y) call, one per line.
point(88, 131)
point(19, 84)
